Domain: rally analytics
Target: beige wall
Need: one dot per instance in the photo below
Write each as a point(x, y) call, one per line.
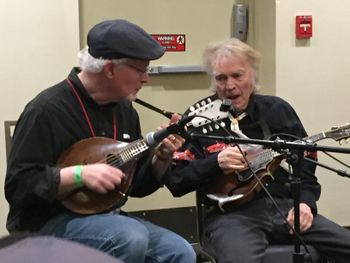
point(263, 21)
point(39, 43)
point(314, 77)
point(193, 18)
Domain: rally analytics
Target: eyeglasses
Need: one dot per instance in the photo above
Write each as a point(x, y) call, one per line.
point(141, 70)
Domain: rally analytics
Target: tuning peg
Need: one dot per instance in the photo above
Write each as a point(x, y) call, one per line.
point(204, 130)
point(216, 126)
point(210, 128)
point(222, 124)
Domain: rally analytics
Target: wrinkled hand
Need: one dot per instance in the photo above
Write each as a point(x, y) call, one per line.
point(306, 217)
point(170, 144)
point(101, 177)
point(231, 160)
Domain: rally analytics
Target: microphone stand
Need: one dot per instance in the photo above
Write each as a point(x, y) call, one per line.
point(277, 145)
point(298, 256)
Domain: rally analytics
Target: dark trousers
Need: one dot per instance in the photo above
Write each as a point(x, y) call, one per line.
point(242, 234)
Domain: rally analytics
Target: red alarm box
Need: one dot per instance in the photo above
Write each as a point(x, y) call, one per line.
point(303, 26)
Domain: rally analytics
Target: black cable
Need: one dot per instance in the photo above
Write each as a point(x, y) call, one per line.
point(336, 159)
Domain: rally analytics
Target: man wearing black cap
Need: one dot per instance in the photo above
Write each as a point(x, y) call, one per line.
point(93, 101)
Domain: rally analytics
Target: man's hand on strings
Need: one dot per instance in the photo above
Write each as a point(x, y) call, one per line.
point(98, 177)
point(101, 178)
point(171, 143)
point(231, 160)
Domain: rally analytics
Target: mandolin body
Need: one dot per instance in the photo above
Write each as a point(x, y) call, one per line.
point(97, 150)
point(228, 188)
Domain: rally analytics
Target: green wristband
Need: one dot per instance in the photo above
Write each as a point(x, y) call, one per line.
point(77, 176)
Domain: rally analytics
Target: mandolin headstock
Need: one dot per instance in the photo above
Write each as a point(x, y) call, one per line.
point(208, 115)
point(339, 133)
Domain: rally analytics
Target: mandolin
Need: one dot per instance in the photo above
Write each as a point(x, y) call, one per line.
point(239, 188)
point(101, 150)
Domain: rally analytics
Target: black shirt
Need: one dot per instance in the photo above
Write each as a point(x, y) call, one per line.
point(49, 124)
point(266, 116)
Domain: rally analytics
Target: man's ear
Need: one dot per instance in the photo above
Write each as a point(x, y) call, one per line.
point(109, 69)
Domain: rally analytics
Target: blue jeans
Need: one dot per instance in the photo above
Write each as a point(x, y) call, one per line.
point(129, 239)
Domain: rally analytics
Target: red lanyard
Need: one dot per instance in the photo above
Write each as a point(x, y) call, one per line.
point(87, 116)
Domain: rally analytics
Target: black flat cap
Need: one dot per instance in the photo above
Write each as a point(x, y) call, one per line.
point(114, 39)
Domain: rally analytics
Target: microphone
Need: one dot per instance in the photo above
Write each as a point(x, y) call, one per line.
point(226, 106)
point(153, 138)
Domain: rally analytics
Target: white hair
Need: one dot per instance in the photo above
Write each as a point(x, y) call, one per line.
point(230, 48)
point(92, 64)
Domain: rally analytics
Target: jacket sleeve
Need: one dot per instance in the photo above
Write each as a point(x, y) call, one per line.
point(187, 176)
point(32, 178)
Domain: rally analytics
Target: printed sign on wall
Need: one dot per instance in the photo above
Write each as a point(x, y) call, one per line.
point(171, 42)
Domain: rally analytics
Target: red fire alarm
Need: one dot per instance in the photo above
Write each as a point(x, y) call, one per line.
point(303, 26)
